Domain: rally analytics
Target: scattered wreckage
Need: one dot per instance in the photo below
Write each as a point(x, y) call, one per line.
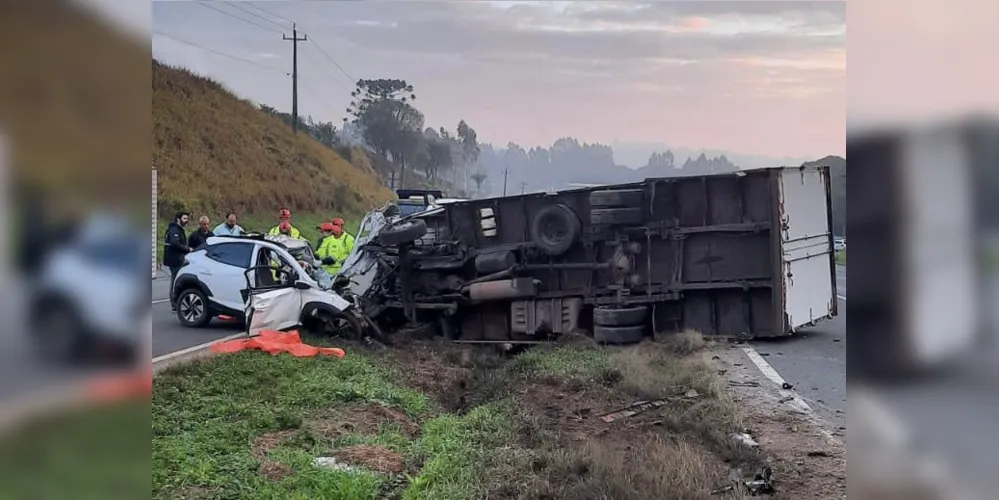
point(747, 254)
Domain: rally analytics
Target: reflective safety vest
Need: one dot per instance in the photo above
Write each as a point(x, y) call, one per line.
point(294, 232)
point(338, 248)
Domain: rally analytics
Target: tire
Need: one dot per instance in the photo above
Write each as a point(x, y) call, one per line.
point(58, 334)
point(555, 229)
point(192, 308)
point(610, 216)
point(629, 316)
point(617, 198)
point(404, 232)
point(343, 325)
point(618, 334)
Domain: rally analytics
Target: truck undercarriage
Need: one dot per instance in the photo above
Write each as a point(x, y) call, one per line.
point(745, 255)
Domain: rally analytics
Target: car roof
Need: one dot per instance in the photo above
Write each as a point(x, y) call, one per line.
point(283, 242)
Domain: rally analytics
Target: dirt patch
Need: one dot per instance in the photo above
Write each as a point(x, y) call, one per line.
point(373, 458)
point(367, 419)
point(434, 368)
point(262, 445)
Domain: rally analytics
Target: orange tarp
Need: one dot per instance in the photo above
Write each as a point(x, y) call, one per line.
point(276, 342)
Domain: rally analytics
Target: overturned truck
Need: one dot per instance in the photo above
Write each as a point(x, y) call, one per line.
point(748, 254)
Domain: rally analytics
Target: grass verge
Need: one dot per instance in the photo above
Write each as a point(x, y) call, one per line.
point(432, 421)
point(841, 257)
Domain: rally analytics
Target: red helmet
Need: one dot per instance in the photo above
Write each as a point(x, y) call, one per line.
point(284, 213)
point(338, 222)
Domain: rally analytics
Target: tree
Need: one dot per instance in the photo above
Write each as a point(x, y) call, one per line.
point(469, 147)
point(479, 178)
point(388, 122)
point(370, 92)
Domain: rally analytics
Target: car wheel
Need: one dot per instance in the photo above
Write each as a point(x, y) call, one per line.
point(618, 334)
point(629, 316)
point(192, 308)
point(403, 232)
point(555, 229)
point(58, 334)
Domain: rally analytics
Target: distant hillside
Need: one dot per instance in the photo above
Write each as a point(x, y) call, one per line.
point(837, 173)
point(216, 152)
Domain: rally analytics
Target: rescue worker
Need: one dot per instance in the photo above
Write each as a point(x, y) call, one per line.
point(284, 225)
point(325, 249)
point(340, 243)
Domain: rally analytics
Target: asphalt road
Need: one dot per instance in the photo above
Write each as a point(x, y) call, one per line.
point(169, 335)
point(814, 361)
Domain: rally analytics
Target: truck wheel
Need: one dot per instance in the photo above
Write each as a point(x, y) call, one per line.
point(618, 334)
point(192, 308)
point(628, 316)
point(403, 232)
point(555, 229)
point(617, 198)
point(616, 215)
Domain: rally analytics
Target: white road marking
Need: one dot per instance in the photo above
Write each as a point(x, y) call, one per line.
point(165, 357)
point(793, 399)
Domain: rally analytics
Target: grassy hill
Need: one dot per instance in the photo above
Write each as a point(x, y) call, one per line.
point(216, 152)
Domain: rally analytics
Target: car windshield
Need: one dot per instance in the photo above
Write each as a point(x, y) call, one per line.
point(302, 253)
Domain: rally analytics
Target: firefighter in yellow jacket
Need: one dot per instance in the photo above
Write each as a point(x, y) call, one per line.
point(284, 225)
point(336, 247)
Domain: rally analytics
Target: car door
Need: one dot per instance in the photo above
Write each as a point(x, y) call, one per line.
point(274, 302)
point(226, 278)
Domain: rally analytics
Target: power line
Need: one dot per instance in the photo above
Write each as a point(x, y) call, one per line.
point(265, 11)
point(220, 11)
point(237, 6)
point(350, 78)
point(223, 54)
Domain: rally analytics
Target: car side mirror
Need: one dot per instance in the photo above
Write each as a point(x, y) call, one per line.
point(301, 285)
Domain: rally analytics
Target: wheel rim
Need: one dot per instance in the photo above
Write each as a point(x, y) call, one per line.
point(191, 307)
point(553, 230)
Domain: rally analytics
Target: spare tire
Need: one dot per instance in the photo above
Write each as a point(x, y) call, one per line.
point(618, 334)
point(617, 198)
point(628, 316)
point(610, 216)
point(555, 229)
point(403, 232)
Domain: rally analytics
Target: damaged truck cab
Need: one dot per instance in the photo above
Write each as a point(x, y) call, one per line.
point(747, 254)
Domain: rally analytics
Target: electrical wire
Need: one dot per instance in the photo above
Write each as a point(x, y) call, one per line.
point(265, 11)
point(240, 6)
point(330, 58)
point(229, 14)
point(223, 54)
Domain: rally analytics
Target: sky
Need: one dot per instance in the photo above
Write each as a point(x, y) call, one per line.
point(757, 78)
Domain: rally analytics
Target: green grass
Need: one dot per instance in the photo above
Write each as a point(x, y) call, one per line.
point(206, 415)
point(305, 222)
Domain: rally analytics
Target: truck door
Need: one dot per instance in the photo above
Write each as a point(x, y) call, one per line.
point(806, 241)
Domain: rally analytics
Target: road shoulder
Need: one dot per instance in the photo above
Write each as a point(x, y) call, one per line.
point(808, 455)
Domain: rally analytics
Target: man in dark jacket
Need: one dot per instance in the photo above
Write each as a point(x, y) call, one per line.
point(200, 235)
point(175, 248)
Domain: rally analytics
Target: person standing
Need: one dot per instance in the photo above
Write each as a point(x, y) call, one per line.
point(325, 249)
point(175, 247)
point(229, 227)
point(199, 236)
point(284, 225)
point(340, 244)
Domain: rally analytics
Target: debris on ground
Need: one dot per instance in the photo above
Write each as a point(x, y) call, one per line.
point(275, 342)
point(745, 439)
point(632, 409)
point(761, 482)
point(734, 383)
point(333, 464)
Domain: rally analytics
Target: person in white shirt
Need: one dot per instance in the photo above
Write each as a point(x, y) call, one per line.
point(229, 227)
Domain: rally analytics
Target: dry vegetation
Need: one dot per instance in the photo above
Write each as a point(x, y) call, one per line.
point(74, 99)
point(216, 152)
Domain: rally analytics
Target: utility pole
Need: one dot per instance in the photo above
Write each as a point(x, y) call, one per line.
point(506, 171)
point(294, 73)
